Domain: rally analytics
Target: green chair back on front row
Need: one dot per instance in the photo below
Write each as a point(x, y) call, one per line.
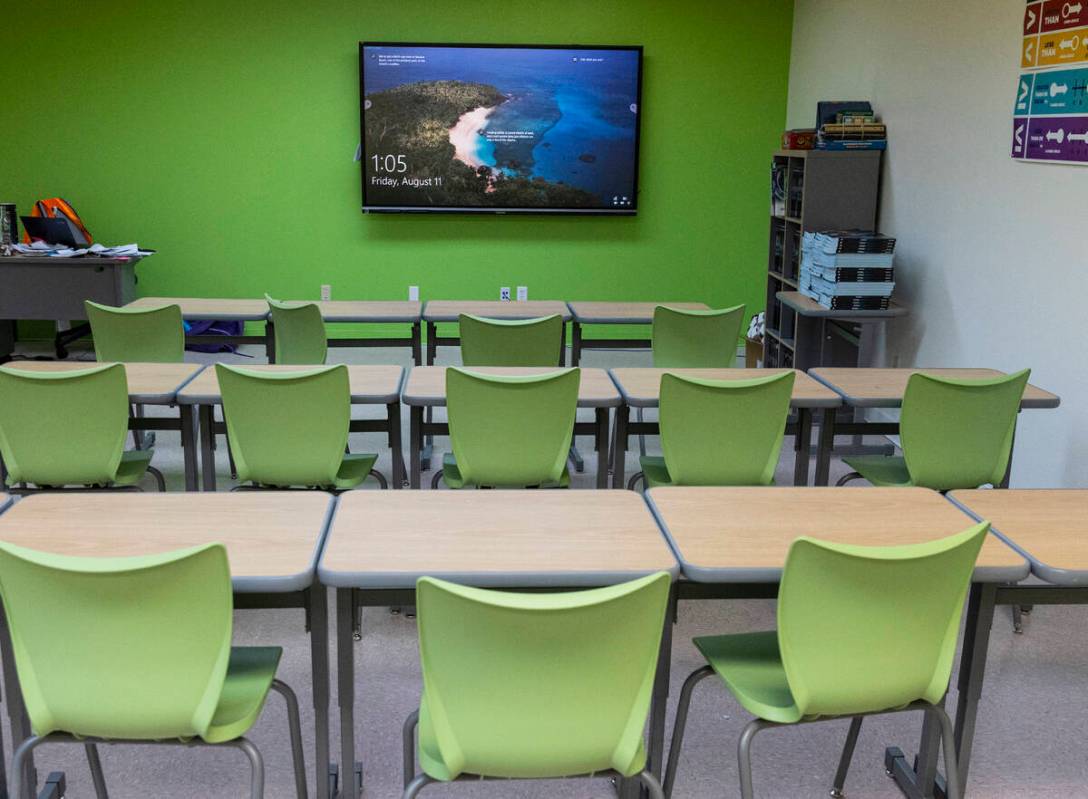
point(137, 335)
point(861, 631)
point(510, 431)
point(954, 434)
point(696, 339)
point(531, 686)
point(291, 428)
point(719, 432)
point(145, 653)
point(90, 452)
point(299, 332)
point(511, 342)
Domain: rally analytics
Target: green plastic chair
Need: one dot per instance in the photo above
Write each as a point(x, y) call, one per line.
point(299, 329)
point(137, 335)
point(535, 686)
point(509, 342)
point(509, 430)
point(861, 631)
point(90, 451)
point(126, 650)
point(719, 432)
point(696, 339)
point(291, 428)
point(954, 434)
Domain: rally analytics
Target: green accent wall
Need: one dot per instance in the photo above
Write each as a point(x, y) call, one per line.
point(222, 134)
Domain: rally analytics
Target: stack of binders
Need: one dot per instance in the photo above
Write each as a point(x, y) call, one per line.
point(848, 270)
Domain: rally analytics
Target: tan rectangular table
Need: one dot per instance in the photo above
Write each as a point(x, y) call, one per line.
point(1049, 527)
point(641, 388)
point(380, 543)
point(273, 540)
point(425, 388)
point(364, 312)
point(369, 385)
point(436, 311)
point(884, 388)
point(148, 384)
point(732, 543)
point(615, 313)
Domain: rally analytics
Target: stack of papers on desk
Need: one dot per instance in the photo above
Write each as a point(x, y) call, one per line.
point(95, 250)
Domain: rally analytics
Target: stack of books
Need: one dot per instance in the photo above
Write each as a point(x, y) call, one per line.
point(853, 130)
point(848, 270)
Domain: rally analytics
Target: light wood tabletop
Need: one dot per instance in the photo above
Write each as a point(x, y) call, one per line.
point(624, 313)
point(388, 539)
point(426, 385)
point(368, 310)
point(450, 310)
point(199, 308)
point(884, 388)
point(744, 534)
point(369, 384)
point(1049, 526)
point(272, 537)
point(148, 383)
point(641, 387)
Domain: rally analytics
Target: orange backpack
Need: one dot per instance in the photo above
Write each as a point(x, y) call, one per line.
point(54, 208)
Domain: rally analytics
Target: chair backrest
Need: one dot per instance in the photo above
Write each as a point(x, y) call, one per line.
point(149, 335)
point(958, 433)
point(723, 432)
point(286, 428)
point(38, 447)
point(696, 339)
point(540, 685)
point(511, 431)
point(299, 332)
point(865, 629)
point(511, 342)
point(129, 648)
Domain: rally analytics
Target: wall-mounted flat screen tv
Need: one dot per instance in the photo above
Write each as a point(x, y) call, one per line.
point(500, 128)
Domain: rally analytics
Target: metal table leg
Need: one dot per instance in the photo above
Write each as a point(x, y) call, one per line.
point(319, 667)
point(802, 446)
point(623, 414)
point(207, 446)
point(395, 448)
point(415, 444)
point(602, 447)
point(660, 701)
point(17, 718)
point(417, 344)
point(825, 447)
point(269, 340)
point(345, 689)
point(189, 447)
point(575, 343)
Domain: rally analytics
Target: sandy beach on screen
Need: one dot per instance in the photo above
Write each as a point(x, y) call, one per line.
point(464, 135)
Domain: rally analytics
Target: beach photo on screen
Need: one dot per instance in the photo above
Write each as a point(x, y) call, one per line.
point(482, 127)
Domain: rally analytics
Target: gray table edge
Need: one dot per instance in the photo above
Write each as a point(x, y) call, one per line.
point(855, 402)
point(498, 579)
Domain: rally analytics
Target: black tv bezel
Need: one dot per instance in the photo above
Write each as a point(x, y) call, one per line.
point(450, 209)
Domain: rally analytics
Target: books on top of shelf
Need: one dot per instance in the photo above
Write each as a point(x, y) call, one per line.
point(849, 126)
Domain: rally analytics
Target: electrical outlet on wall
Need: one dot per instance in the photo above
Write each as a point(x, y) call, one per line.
point(413, 293)
point(523, 293)
point(326, 292)
point(504, 293)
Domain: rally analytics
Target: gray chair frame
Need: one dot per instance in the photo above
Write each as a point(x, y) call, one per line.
point(256, 786)
point(744, 745)
point(414, 783)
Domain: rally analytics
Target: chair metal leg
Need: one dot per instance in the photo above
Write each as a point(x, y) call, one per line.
point(634, 480)
point(653, 787)
point(1017, 619)
point(382, 482)
point(436, 478)
point(682, 707)
point(847, 756)
point(417, 785)
point(160, 481)
point(256, 763)
point(19, 766)
point(295, 727)
point(97, 777)
point(641, 437)
point(951, 766)
point(744, 756)
point(409, 742)
point(846, 478)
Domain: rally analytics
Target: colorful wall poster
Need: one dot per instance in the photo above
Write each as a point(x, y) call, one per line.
point(1050, 110)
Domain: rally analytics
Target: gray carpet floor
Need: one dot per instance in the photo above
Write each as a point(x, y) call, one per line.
point(1030, 739)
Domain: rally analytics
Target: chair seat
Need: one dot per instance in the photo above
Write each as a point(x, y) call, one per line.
point(520, 766)
point(452, 475)
point(654, 470)
point(250, 673)
point(133, 467)
point(881, 470)
point(354, 469)
point(751, 667)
